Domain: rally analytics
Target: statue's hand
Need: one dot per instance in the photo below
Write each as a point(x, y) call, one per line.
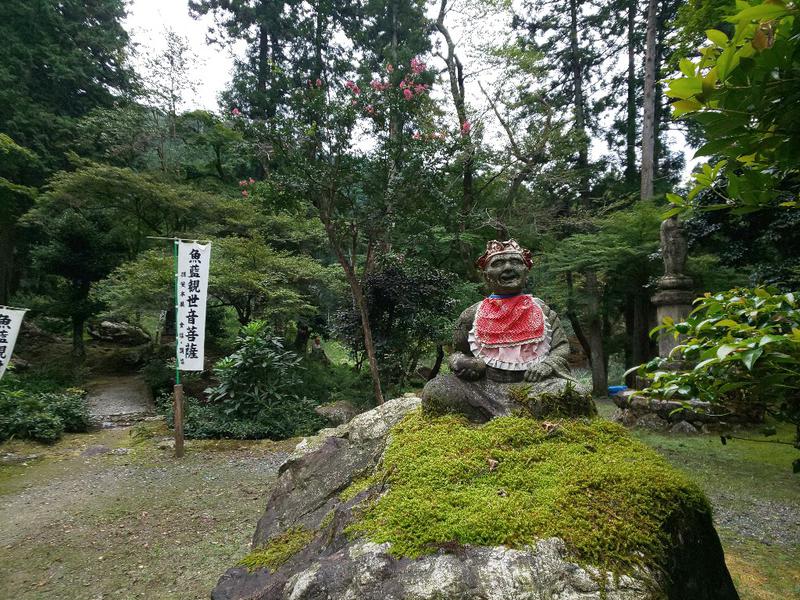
point(468, 367)
point(538, 372)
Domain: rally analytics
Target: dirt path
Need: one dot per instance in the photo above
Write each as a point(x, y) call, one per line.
point(119, 399)
point(135, 524)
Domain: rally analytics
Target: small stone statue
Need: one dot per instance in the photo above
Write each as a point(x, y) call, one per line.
point(506, 343)
point(673, 246)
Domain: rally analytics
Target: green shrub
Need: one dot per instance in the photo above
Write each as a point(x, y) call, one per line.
point(260, 375)
point(71, 408)
point(743, 352)
point(208, 420)
point(42, 417)
point(159, 375)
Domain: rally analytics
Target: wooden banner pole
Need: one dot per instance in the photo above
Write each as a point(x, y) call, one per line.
point(177, 421)
point(178, 425)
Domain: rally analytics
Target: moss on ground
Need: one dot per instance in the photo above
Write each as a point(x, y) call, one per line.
point(514, 480)
point(278, 550)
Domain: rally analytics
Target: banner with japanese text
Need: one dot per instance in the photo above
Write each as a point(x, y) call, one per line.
point(10, 321)
point(192, 290)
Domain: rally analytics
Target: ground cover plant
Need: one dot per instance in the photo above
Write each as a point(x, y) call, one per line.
point(515, 480)
point(43, 417)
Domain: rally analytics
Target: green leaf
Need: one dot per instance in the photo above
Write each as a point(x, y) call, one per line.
point(751, 356)
point(725, 350)
point(726, 323)
point(687, 67)
point(727, 62)
point(759, 12)
point(717, 37)
point(685, 87)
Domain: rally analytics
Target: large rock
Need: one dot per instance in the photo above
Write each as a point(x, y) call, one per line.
point(330, 483)
point(118, 332)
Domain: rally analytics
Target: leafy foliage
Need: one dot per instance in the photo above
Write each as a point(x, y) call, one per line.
point(411, 309)
point(260, 384)
point(42, 417)
point(738, 92)
point(744, 346)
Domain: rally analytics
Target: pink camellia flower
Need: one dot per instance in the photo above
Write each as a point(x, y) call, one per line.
point(418, 66)
point(408, 94)
point(420, 88)
point(376, 85)
point(243, 182)
point(353, 101)
point(417, 135)
point(236, 112)
point(389, 68)
point(351, 85)
point(466, 126)
point(319, 82)
point(370, 109)
point(251, 180)
point(403, 84)
point(245, 193)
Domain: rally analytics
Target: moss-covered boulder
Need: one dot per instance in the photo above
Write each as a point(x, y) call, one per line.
point(398, 505)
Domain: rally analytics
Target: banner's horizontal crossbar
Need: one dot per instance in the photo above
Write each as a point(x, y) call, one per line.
point(13, 308)
point(174, 239)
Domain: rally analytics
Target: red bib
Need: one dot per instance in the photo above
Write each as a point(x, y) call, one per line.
point(512, 321)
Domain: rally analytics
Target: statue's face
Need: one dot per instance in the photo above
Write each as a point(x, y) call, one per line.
point(505, 274)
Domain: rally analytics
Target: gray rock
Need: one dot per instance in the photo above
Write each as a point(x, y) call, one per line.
point(335, 566)
point(684, 427)
point(12, 458)
point(652, 422)
point(95, 450)
point(338, 412)
point(118, 333)
point(120, 451)
point(624, 416)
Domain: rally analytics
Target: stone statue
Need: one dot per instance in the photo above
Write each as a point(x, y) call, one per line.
point(673, 246)
point(509, 344)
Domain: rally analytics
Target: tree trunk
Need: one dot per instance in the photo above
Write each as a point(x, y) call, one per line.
point(78, 347)
point(361, 303)
point(578, 101)
point(7, 263)
point(438, 364)
point(595, 338)
point(630, 121)
point(301, 339)
point(455, 71)
point(648, 125)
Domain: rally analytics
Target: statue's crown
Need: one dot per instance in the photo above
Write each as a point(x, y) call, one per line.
point(495, 247)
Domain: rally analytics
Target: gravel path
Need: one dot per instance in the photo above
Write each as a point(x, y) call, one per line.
point(135, 524)
point(119, 397)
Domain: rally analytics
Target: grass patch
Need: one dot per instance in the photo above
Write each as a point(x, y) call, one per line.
point(278, 550)
point(514, 481)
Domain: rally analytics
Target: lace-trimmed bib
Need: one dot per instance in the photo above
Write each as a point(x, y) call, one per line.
point(510, 334)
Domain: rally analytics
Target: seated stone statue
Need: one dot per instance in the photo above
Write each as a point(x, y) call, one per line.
point(510, 348)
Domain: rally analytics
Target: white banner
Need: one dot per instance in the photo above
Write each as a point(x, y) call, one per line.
point(192, 290)
point(10, 321)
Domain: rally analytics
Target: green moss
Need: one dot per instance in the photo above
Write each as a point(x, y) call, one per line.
point(278, 550)
point(514, 480)
point(327, 520)
point(358, 486)
point(567, 404)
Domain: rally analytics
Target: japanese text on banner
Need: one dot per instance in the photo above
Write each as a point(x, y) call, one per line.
point(192, 290)
point(10, 321)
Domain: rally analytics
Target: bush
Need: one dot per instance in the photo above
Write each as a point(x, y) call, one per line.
point(260, 375)
point(258, 395)
point(743, 348)
point(207, 420)
point(71, 408)
point(159, 375)
point(42, 417)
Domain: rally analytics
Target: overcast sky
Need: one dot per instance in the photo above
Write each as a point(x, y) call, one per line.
point(146, 22)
